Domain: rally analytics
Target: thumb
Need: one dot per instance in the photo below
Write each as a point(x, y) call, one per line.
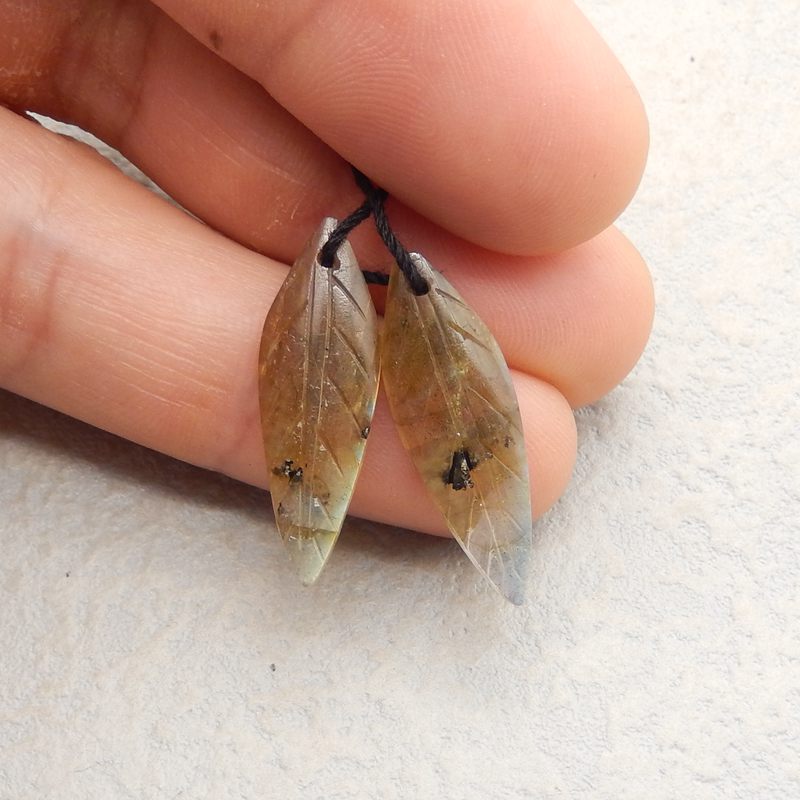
point(507, 122)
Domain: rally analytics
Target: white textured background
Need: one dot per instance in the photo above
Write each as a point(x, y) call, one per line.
point(153, 643)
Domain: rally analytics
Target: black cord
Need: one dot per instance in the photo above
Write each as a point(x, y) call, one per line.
point(374, 206)
point(328, 252)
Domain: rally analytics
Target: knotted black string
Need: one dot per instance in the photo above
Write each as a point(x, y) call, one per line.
point(374, 206)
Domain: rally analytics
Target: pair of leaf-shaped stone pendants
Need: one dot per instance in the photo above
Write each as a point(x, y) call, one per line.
point(450, 394)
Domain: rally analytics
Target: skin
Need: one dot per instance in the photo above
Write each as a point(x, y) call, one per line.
point(506, 131)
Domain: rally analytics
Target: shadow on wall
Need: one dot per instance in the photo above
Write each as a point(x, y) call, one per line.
point(52, 433)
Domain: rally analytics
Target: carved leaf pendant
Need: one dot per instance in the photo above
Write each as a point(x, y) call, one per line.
point(318, 377)
point(456, 411)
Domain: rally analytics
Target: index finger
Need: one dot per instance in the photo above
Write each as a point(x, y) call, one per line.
point(509, 123)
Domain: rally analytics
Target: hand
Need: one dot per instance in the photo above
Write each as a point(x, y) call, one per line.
point(507, 131)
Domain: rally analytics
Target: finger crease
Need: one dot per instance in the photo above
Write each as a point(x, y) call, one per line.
point(102, 65)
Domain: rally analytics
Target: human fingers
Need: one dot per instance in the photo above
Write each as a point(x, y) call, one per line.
point(121, 310)
point(502, 120)
point(207, 134)
point(578, 319)
point(530, 137)
point(229, 153)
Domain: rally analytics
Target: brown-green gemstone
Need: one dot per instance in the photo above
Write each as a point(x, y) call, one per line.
point(456, 411)
point(318, 377)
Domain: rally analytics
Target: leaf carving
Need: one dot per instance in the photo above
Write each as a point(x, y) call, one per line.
point(318, 378)
point(456, 411)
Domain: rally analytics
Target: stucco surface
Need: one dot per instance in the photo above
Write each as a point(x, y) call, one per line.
point(156, 645)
